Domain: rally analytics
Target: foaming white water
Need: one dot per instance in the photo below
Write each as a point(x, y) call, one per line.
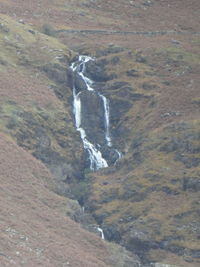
point(107, 119)
point(77, 109)
point(119, 156)
point(81, 71)
point(96, 159)
point(95, 156)
point(89, 82)
point(101, 232)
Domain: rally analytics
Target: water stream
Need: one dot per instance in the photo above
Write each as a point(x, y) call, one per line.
point(101, 232)
point(97, 161)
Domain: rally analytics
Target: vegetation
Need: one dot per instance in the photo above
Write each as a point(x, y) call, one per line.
point(48, 30)
point(149, 201)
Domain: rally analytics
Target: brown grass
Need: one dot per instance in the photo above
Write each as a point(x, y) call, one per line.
point(28, 208)
point(34, 231)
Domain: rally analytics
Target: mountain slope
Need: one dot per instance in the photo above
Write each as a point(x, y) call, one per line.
point(34, 227)
point(148, 202)
point(35, 224)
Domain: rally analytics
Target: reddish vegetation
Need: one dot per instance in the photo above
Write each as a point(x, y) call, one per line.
point(34, 228)
point(131, 15)
point(25, 87)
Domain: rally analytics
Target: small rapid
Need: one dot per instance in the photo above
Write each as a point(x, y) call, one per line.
point(97, 161)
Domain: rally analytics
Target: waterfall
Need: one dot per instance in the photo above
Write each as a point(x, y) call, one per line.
point(107, 123)
point(101, 232)
point(97, 161)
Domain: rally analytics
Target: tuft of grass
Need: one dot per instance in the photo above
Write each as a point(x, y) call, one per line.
point(19, 44)
point(48, 30)
point(179, 54)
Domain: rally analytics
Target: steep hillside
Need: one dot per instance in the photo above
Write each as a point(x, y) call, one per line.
point(147, 64)
point(36, 228)
point(106, 14)
point(33, 75)
point(149, 201)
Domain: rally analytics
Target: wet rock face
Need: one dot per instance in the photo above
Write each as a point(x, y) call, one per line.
point(79, 83)
point(93, 116)
point(93, 121)
point(111, 233)
point(95, 71)
point(110, 154)
point(86, 77)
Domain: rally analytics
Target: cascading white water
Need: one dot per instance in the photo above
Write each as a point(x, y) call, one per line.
point(101, 232)
point(96, 159)
point(107, 122)
point(119, 156)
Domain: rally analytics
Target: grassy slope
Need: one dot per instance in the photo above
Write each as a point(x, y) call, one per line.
point(172, 70)
point(138, 14)
point(34, 227)
point(35, 224)
point(33, 72)
point(159, 136)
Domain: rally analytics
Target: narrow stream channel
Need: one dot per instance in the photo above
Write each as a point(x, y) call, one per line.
point(97, 160)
